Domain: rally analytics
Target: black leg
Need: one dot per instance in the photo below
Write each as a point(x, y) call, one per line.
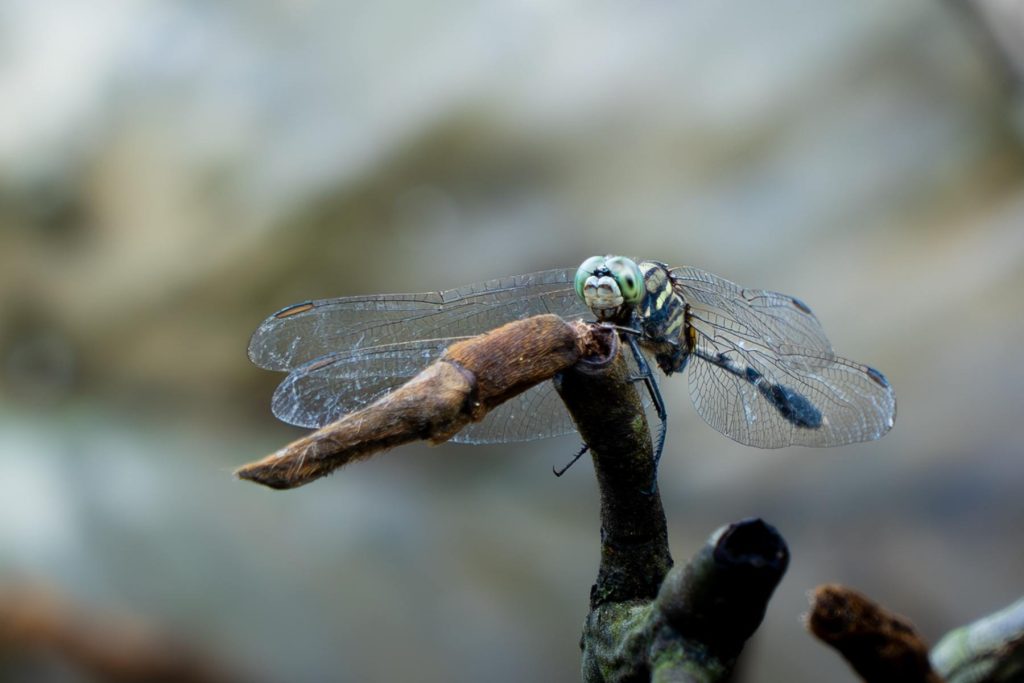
point(565, 468)
point(652, 388)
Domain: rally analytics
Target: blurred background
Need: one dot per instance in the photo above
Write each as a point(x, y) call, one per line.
point(172, 172)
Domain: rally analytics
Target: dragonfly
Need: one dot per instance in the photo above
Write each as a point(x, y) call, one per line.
point(760, 369)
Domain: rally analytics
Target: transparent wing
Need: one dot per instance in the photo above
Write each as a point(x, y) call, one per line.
point(845, 402)
point(757, 316)
point(765, 375)
point(321, 391)
point(310, 330)
point(537, 413)
point(325, 388)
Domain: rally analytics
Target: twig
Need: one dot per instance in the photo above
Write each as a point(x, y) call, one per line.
point(473, 377)
point(990, 650)
point(880, 646)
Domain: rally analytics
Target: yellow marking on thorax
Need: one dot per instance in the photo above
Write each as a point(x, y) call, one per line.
point(678, 318)
point(657, 284)
point(654, 277)
point(666, 292)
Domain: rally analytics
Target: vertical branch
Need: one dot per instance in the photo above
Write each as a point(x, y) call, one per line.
point(647, 622)
point(608, 411)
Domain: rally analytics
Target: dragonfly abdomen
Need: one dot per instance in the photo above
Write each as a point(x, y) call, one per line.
point(792, 405)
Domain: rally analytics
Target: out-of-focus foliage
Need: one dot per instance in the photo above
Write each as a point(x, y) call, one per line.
point(171, 172)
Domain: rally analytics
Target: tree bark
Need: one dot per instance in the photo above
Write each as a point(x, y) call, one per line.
point(648, 621)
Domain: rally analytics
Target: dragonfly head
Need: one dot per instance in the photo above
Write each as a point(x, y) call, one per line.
point(609, 285)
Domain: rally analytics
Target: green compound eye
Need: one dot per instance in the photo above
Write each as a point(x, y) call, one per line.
point(585, 271)
point(629, 278)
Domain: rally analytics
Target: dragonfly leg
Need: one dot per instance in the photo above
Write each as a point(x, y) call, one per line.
point(627, 329)
point(652, 388)
point(559, 471)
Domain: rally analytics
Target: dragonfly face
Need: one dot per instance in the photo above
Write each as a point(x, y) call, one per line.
point(610, 286)
point(760, 368)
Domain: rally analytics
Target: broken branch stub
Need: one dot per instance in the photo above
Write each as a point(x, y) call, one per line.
point(703, 614)
point(879, 645)
point(472, 377)
point(706, 611)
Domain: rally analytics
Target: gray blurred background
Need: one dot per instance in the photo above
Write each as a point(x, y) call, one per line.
point(171, 172)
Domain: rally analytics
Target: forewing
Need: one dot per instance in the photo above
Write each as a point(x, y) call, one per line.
point(755, 316)
point(307, 331)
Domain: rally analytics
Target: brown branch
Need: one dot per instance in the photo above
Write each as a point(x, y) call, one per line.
point(473, 377)
point(880, 646)
point(109, 647)
point(645, 621)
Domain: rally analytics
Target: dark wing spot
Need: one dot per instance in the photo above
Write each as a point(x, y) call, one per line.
point(294, 310)
point(877, 377)
point(800, 305)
